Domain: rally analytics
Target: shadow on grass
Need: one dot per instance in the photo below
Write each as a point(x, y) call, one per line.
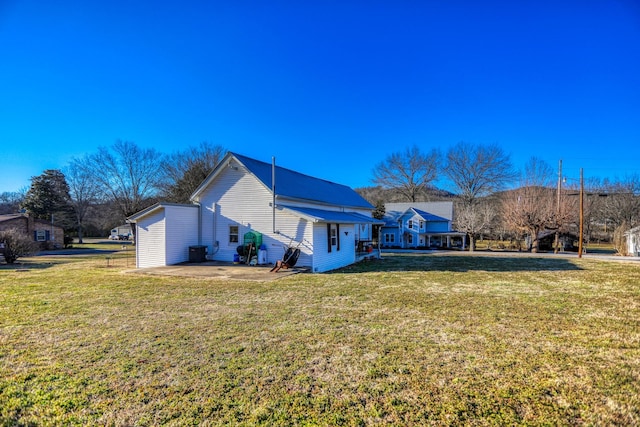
point(76, 251)
point(28, 265)
point(457, 263)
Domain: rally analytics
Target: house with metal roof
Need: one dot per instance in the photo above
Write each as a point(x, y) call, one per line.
point(420, 225)
point(251, 210)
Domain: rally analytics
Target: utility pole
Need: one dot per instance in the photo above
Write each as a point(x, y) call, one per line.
point(557, 242)
point(581, 214)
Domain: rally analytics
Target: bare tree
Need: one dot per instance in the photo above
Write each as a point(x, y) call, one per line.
point(622, 204)
point(475, 220)
point(620, 240)
point(84, 191)
point(531, 208)
point(409, 172)
point(184, 171)
point(10, 201)
point(476, 171)
point(127, 175)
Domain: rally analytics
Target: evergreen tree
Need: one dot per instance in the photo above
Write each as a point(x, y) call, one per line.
point(380, 210)
point(48, 198)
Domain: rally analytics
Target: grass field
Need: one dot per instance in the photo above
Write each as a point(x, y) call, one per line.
point(409, 340)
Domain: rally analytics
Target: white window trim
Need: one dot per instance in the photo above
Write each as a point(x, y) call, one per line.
point(236, 234)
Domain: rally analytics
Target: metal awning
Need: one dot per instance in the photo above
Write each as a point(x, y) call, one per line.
point(321, 215)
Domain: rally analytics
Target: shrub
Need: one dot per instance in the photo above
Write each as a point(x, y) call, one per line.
point(620, 240)
point(16, 245)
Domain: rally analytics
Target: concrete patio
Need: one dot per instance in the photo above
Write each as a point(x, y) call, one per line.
point(221, 270)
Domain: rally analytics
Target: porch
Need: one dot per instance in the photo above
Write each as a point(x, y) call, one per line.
point(367, 249)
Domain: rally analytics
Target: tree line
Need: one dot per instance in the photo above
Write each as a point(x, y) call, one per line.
point(98, 191)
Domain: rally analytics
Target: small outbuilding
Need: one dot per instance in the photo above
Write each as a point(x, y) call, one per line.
point(164, 234)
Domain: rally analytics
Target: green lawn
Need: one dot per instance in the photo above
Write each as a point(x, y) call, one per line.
point(410, 340)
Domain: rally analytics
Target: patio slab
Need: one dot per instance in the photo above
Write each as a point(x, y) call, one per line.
point(221, 270)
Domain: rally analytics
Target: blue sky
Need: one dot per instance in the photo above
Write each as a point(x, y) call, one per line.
point(328, 88)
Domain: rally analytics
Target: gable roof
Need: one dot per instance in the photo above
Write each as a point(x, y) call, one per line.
point(439, 209)
point(25, 217)
point(291, 184)
point(428, 216)
point(9, 217)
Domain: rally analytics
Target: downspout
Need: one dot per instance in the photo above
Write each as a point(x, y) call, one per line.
point(199, 223)
point(273, 192)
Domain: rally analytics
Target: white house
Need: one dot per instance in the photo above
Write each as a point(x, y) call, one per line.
point(243, 196)
point(420, 225)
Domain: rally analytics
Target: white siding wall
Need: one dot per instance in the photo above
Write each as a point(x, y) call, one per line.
point(237, 198)
point(633, 242)
point(181, 232)
point(323, 260)
point(150, 241)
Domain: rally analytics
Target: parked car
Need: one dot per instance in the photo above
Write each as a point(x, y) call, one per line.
point(120, 237)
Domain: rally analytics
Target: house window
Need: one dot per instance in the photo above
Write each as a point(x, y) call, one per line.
point(389, 238)
point(41, 236)
point(410, 239)
point(410, 224)
point(233, 234)
point(421, 225)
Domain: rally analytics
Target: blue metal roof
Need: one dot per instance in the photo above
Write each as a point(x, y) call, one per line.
point(295, 185)
point(321, 215)
point(428, 216)
point(391, 220)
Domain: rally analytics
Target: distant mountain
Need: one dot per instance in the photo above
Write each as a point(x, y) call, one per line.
point(375, 194)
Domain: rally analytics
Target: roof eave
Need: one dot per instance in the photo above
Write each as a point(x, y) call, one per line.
point(157, 206)
point(285, 198)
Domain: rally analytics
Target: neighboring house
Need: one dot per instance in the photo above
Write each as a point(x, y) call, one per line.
point(420, 225)
point(47, 234)
point(633, 241)
point(240, 198)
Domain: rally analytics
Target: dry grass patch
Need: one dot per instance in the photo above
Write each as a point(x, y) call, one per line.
point(410, 340)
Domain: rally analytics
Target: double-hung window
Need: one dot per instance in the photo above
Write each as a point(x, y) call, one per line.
point(233, 234)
